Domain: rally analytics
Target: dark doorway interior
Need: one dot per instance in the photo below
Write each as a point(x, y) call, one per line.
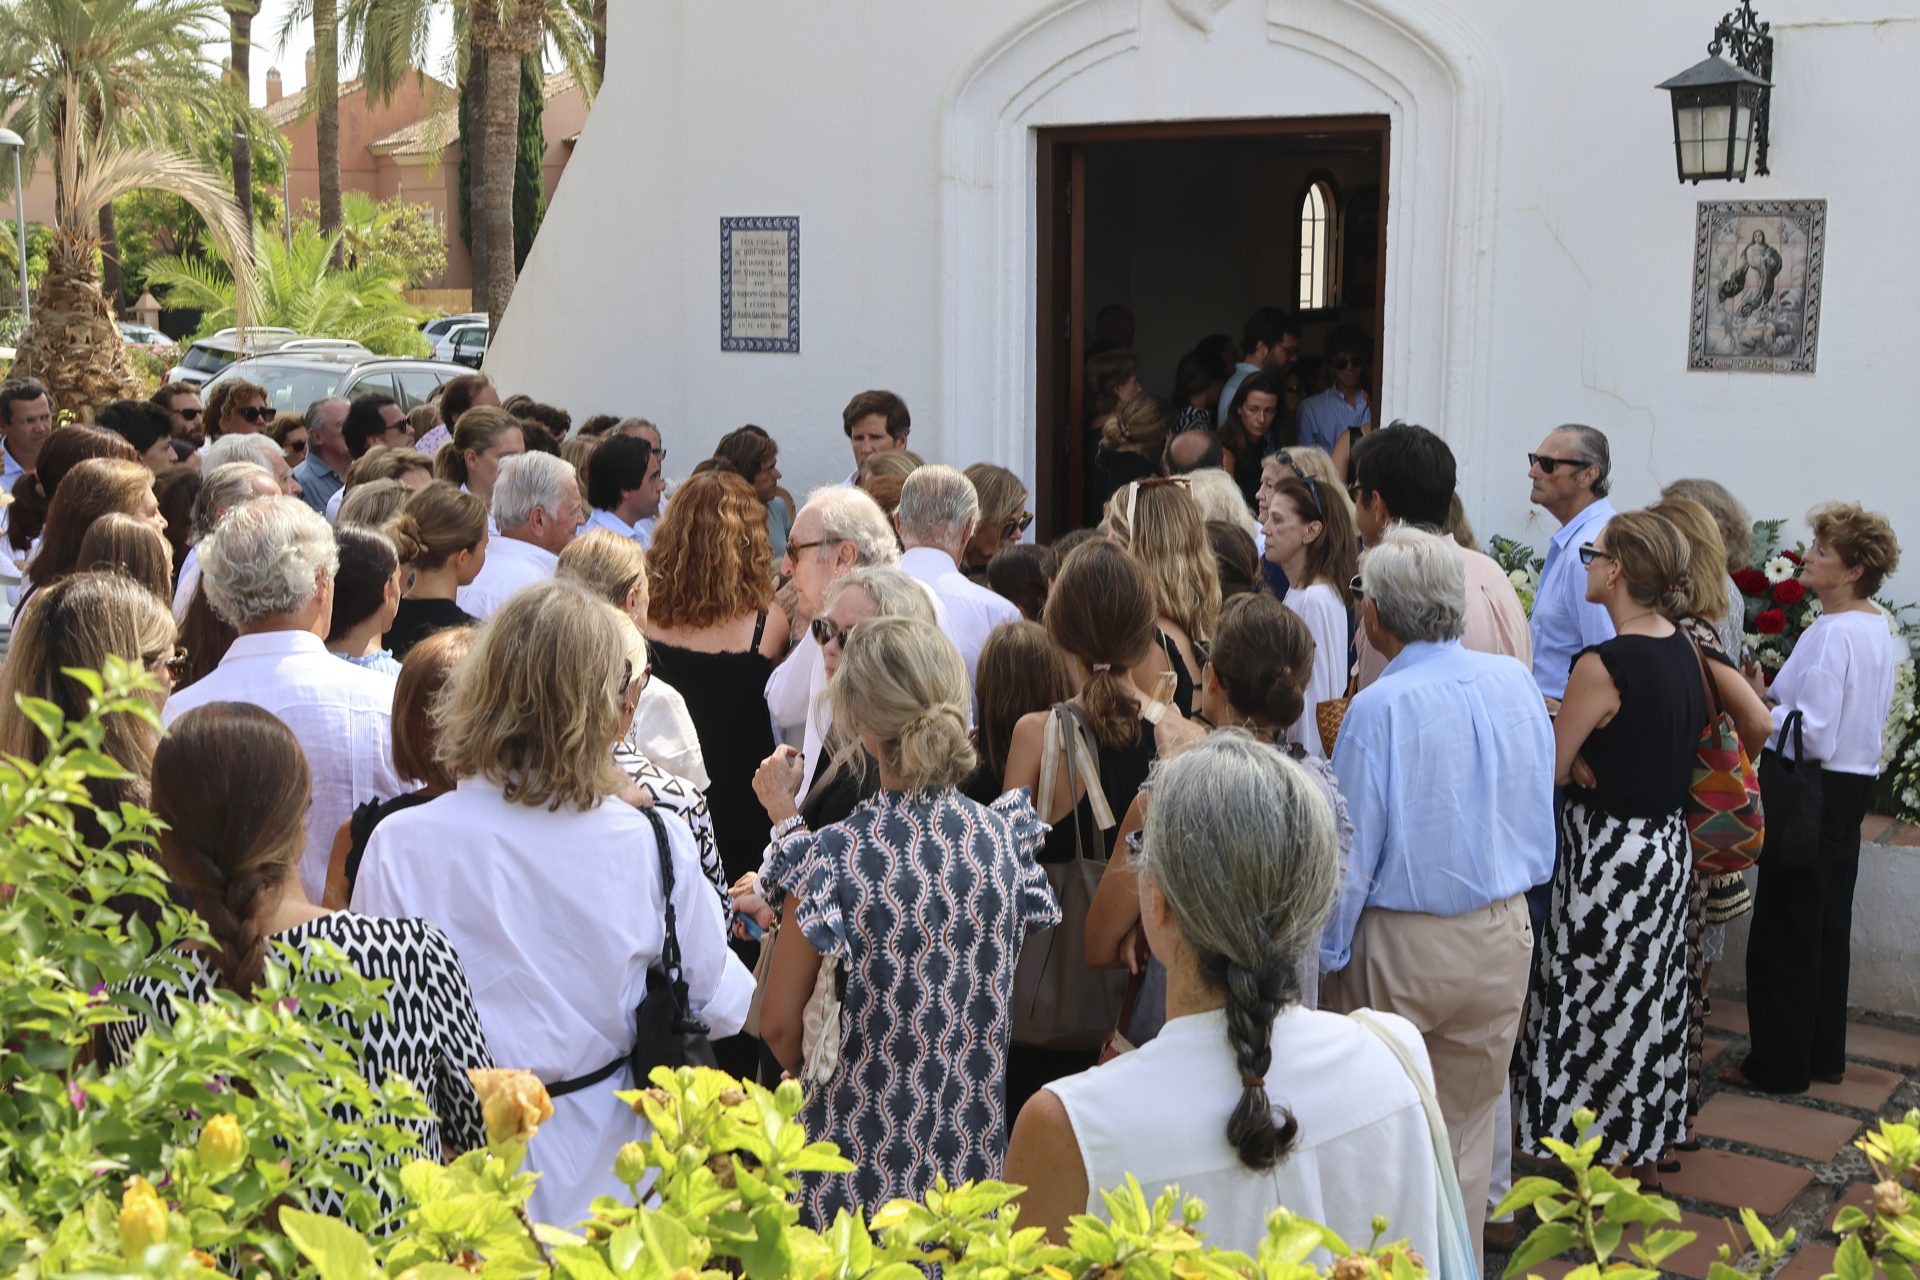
point(1192, 226)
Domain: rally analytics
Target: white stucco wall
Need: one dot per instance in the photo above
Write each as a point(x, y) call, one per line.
point(1539, 248)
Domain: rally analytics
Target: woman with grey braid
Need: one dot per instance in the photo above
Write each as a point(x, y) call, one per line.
point(1245, 1099)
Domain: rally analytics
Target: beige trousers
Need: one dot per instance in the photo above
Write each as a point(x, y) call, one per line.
point(1462, 980)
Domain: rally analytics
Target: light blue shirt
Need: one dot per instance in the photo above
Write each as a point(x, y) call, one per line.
point(614, 524)
point(11, 471)
point(1325, 417)
point(1563, 621)
point(1446, 764)
point(1241, 372)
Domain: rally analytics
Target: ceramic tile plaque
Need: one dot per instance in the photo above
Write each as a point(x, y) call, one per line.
point(760, 284)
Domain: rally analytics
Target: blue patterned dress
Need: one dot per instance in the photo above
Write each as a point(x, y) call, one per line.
point(925, 896)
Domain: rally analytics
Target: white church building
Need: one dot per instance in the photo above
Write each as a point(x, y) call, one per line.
point(936, 199)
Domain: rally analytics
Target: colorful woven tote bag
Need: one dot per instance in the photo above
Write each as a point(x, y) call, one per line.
point(1725, 823)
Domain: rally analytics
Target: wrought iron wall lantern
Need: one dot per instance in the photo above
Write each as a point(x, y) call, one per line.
point(1721, 108)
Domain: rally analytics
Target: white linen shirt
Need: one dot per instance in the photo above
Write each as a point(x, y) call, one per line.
point(1160, 1113)
point(663, 732)
point(189, 579)
point(612, 523)
point(1319, 607)
point(557, 916)
point(342, 715)
point(972, 610)
point(1839, 677)
point(511, 564)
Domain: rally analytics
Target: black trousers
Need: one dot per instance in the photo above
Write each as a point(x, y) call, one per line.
point(1798, 956)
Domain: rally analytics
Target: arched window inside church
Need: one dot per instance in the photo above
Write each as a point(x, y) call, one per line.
point(1317, 222)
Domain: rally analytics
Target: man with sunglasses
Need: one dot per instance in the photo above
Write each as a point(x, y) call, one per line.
point(1571, 474)
point(181, 400)
point(1344, 405)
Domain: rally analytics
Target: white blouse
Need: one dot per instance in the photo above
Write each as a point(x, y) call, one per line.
point(511, 564)
point(1839, 677)
point(1319, 607)
point(1160, 1113)
point(557, 917)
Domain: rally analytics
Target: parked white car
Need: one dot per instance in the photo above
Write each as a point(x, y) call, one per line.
point(464, 344)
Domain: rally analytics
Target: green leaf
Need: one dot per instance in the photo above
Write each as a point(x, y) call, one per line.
point(1661, 1245)
point(1525, 1192)
point(1547, 1241)
point(336, 1250)
point(1852, 1262)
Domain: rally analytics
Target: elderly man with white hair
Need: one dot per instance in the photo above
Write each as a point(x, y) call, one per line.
point(838, 530)
point(1446, 764)
point(257, 448)
point(268, 571)
point(537, 508)
point(226, 487)
point(936, 517)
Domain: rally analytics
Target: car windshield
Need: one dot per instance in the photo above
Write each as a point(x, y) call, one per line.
point(291, 388)
point(206, 359)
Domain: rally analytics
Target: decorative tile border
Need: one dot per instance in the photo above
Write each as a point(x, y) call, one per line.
point(755, 335)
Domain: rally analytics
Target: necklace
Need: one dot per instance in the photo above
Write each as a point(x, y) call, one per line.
point(1650, 613)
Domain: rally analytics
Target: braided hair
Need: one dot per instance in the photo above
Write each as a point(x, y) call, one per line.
point(1240, 845)
point(232, 786)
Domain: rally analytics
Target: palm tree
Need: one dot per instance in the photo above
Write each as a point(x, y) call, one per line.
point(240, 15)
point(300, 289)
point(324, 93)
point(391, 36)
point(100, 86)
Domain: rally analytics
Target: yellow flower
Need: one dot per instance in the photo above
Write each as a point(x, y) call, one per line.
point(222, 1146)
point(143, 1218)
point(513, 1103)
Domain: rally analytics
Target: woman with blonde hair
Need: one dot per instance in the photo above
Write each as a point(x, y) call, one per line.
point(1713, 615)
point(120, 543)
point(558, 948)
point(1131, 443)
point(1310, 535)
point(1161, 525)
point(90, 491)
point(1003, 514)
point(1601, 1034)
point(894, 1093)
point(715, 635)
point(898, 463)
point(485, 436)
point(441, 536)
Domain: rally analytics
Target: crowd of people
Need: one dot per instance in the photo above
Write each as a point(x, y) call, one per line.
point(1056, 863)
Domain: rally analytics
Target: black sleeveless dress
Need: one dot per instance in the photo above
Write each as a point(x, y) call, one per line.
point(726, 697)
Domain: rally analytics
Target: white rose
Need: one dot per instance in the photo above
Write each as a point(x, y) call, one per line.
point(1779, 569)
point(1518, 578)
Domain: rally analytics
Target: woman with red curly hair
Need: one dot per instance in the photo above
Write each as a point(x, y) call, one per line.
point(715, 634)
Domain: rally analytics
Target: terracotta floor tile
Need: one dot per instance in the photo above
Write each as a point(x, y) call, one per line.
point(1777, 1126)
point(1903, 835)
point(1731, 1179)
point(1698, 1257)
point(1875, 826)
point(1879, 1044)
point(1731, 1015)
point(1809, 1262)
point(1865, 1087)
point(1859, 1195)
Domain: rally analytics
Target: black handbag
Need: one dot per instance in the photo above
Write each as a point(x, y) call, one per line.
point(1793, 791)
point(665, 1032)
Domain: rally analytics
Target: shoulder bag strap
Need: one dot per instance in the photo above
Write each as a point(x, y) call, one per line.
point(1714, 709)
point(1083, 761)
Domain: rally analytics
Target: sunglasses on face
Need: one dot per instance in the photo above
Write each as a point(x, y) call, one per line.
point(255, 413)
point(826, 633)
point(1547, 464)
point(296, 446)
point(1589, 553)
point(1347, 362)
point(1017, 526)
point(627, 677)
point(174, 664)
point(1355, 588)
point(189, 414)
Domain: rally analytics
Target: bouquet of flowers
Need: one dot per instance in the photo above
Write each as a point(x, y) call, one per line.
point(1779, 608)
point(1522, 564)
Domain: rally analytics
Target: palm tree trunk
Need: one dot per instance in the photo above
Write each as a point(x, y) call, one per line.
point(109, 258)
point(326, 126)
point(499, 144)
point(241, 53)
point(73, 345)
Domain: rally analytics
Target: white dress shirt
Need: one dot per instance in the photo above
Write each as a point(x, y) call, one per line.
point(342, 715)
point(612, 523)
point(1319, 607)
point(793, 699)
point(663, 732)
point(189, 579)
point(1160, 1113)
point(511, 564)
point(972, 610)
point(557, 915)
point(333, 505)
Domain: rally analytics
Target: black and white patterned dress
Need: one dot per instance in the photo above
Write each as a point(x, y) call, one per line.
point(431, 1037)
point(1607, 1010)
point(926, 896)
point(676, 795)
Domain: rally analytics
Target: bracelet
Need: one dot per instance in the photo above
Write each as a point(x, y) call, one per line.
point(786, 826)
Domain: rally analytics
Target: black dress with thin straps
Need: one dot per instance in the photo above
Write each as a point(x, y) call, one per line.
point(726, 697)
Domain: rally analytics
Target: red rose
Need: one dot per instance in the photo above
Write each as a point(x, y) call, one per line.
point(1771, 622)
point(1751, 582)
point(1793, 556)
point(1789, 592)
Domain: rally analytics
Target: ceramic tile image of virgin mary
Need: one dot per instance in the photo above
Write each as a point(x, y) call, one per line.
point(1756, 285)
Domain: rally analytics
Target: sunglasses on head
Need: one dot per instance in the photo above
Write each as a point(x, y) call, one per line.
point(826, 633)
point(1547, 464)
point(255, 413)
point(1589, 553)
point(1016, 526)
point(1313, 492)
